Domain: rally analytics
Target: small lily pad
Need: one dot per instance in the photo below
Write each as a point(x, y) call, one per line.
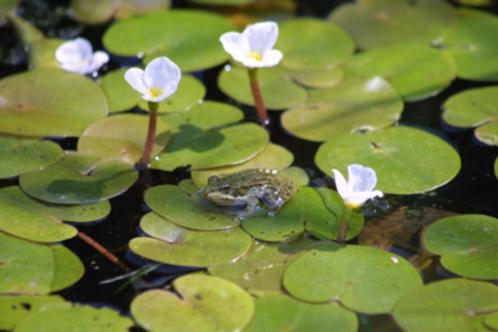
point(171, 33)
point(317, 78)
point(407, 160)
point(49, 102)
point(68, 268)
point(92, 11)
point(468, 245)
point(278, 90)
point(187, 210)
point(199, 149)
point(277, 312)
point(363, 279)
point(416, 71)
point(353, 105)
point(296, 175)
point(121, 137)
point(273, 157)
point(79, 179)
point(120, 95)
point(204, 304)
point(312, 43)
point(178, 246)
point(488, 133)
point(456, 305)
point(26, 154)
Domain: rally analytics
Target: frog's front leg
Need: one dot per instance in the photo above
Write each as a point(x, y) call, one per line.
point(251, 207)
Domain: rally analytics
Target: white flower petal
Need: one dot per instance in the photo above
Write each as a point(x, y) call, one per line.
point(361, 178)
point(99, 59)
point(135, 77)
point(261, 36)
point(162, 73)
point(235, 44)
point(357, 199)
point(272, 58)
point(341, 184)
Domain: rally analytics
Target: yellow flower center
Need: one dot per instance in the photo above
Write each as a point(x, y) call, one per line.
point(155, 92)
point(255, 55)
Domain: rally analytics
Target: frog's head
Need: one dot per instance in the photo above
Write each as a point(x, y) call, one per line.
point(218, 190)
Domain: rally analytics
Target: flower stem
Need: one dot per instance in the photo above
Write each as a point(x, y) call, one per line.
point(101, 249)
point(151, 135)
point(346, 216)
point(258, 98)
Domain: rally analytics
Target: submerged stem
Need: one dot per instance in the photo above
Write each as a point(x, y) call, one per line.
point(258, 98)
point(101, 249)
point(151, 135)
point(347, 213)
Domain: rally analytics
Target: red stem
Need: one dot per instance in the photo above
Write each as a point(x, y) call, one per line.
point(151, 135)
point(258, 99)
point(101, 249)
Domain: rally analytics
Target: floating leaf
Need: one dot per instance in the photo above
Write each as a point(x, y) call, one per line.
point(204, 304)
point(49, 102)
point(214, 148)
point(312, 43)
point(317, 78)
point(488, 133)
point(364, 279)
point(296, 175)
point(277, 312)
point(26, 154)
point(455, 305)
point(171, 33)
point(121, 137)
point(127, 8)
point(68, 269)
point(179, 246)
point(468, 245)
point(353, 105)
point(79, 179)
point(120, 95)
point(273, 157)
point(492, 320)
point(187, 210)
point(93, 11)
point(407, 160)
point(382, 22)
point(277, 89)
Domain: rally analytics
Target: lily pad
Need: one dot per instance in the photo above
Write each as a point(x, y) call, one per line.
point(273, 157)
point(26, 154)
point(363, 279)
point(92, 11)
point(475, 108)
point(65, 318)
point(278, 90)
point(178, 246)
point(450, 305)
point(27, 218)
point(79, 179)
point(49, 102)
point(127, 8)
point(416, 71)
point(207, 115)
point(201, 149)
point(376, 23)
point(492, 320)
point(68, 268)
point(353, 105)
point(468, 245)
point(204, 304)
point(472, 44)
point(187, 210)
point(121, 137)
point(120, 95)
point(317, 78)
point(407, 160)
point(171, 33)
point(296, 175)
point(276, 312)
point(312, 43)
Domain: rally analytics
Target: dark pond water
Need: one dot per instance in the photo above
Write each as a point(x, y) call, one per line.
point(474, 190)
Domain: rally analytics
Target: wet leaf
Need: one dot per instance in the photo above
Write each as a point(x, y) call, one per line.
point(120, 95)
point(488, 133)
point(68, 269)
point(93, 11)
point(296, 175)
point(317, 78)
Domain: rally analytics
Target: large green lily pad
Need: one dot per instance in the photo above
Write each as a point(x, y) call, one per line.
point(353, 105)
point(75, 318)
point(199, 149)
point(187, 210)
point(171, 33)
point(363, 279)
point(204, 304)
point(311, 43)
point(277, 88)
point(27, 218)
point(455, 305)
point(68, 268)
point(374, 23)
point(49, 102)
point(24, 155)
point(79, 179)
point(120, 95)
point(475, 108)
point(416, 71)
point(121, 137)
point(317, 78)
point(473, 45)
point(273, 157)
point(407, 160)
point(468, 245)
point(178, 246)
point(276, 312)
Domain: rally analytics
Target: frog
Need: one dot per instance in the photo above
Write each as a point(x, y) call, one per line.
point(249, 190)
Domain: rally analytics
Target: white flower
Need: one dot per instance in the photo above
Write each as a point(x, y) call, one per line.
point(253, 47)
point(359, 187)
point(158, 81)
point(77, 56)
